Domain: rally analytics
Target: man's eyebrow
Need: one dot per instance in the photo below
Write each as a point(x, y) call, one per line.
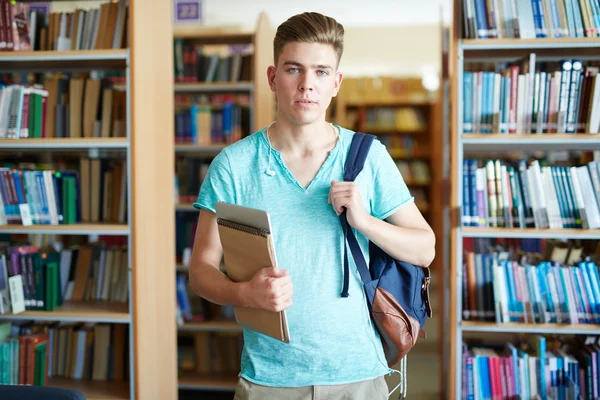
point(297, 64)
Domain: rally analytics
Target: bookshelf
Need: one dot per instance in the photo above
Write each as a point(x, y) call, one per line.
point(466, 53)
point(259, 110)
point(149, 319)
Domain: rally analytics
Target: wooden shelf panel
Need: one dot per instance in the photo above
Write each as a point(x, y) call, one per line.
point(394, 131)
point(399, 102)
point(405, 155)
point(68, 229)
point(225, 382)
point(498, 142)
point(517, 48)
point(211, 87)
point(214, 35)
point(213, 149)
point(554, 43)
point(475, 326)
point(79, 312)
point(64, 143)
point(417, 184)
point(94, 390)
point(185, 207)
point(533, 233)
point(211, 326)
point(64, 60)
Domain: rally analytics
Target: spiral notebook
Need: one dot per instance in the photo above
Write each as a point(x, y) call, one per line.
point(248, 247)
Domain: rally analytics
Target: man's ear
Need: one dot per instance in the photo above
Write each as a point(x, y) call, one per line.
point(338, 83)
point(271, 77)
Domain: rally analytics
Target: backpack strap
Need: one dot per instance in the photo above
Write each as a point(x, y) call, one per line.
point(359, 150)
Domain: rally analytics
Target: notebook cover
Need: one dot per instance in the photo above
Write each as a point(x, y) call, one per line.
point(245, 253)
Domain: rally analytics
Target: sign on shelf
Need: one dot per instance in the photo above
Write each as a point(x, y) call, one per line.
point(187, 12)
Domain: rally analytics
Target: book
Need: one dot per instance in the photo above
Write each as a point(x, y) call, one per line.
point(247, 248)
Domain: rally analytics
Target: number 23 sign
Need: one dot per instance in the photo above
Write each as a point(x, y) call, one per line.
point(187, 11)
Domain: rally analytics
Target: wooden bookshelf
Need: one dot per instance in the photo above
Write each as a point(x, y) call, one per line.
point(94, 390)
point(475, 326)
point(262, 112)
point(462, 52)
point(64, 143)
point(79, 312)
point(217, 382)
point(76, 59)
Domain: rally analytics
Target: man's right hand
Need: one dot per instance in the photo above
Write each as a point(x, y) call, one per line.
point(270, 289)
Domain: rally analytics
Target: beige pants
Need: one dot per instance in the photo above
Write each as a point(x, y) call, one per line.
point(374, 389)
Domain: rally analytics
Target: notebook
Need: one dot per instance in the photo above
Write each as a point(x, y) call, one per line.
point(248, 247)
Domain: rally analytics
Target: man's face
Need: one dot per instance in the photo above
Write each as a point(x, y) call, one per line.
point(305, 80)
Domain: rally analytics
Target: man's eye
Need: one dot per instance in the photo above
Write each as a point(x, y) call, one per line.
point(322, 73)
point(293, 70)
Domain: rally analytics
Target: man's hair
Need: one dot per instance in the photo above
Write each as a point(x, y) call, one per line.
point(309, 27)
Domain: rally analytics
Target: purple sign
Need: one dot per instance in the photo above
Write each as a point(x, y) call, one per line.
point(40, 6)
point(186, 11)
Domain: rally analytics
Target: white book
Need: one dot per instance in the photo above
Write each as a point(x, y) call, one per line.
point(17, 299)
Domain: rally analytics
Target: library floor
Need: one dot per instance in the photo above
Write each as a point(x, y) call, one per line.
point(424, 363)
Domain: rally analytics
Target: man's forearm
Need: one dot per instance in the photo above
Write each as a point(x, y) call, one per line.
point(213, 285)
point(413, 245)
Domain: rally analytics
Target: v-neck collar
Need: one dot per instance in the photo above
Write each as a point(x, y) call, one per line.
point(326, 164)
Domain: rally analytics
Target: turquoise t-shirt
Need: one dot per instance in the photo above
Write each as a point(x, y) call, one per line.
point(332, 340)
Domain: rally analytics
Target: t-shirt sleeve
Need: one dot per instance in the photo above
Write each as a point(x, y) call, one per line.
point(217, 185)
point(390, 192)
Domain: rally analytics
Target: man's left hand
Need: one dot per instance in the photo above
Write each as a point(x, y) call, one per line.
point(346, 194)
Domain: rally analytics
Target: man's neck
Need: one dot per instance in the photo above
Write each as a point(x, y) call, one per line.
point(302, 140)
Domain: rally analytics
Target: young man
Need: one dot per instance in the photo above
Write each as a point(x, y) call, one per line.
point(293, 169)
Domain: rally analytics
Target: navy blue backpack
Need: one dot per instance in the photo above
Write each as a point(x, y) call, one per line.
point(397, 292)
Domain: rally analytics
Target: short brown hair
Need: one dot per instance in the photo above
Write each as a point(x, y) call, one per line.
point(309, 27)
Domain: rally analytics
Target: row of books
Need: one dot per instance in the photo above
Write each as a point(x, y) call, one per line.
point(100, 28)
point(185, 234)
point(31, 353)
point(63, 107)
point(206, 125)
point(559, 97)
point(96, 192)
point(404, 145)
point(530, 19)
point(536, 367)
point(193, 308)
point(498, 288)
point(211, 63)
point(189, 175)
point(407, 119)
point(414, 171)
point(34, 279)
point(209, 353)
point(530, 194)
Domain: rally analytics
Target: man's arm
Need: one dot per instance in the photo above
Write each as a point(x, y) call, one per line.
point(206, 279)
point(406, 236)
point(270, 288)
